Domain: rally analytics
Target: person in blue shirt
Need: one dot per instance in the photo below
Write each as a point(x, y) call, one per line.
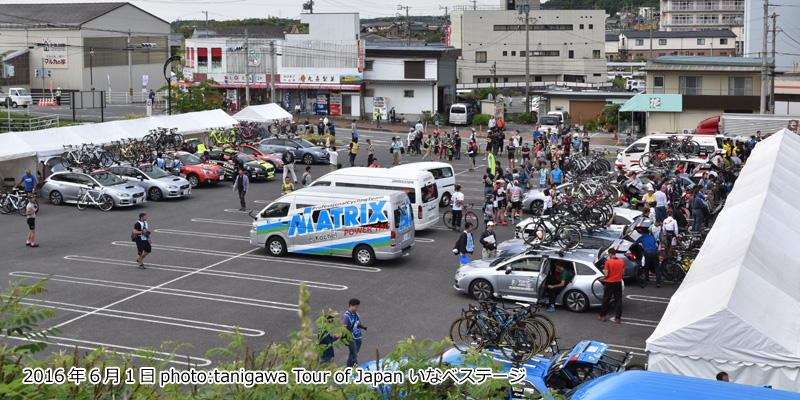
point(650, 248)
point(352, 322)
point(556, 174)
point(29, 180)
point(326, 339)
point(536, 135)
point(160, 161)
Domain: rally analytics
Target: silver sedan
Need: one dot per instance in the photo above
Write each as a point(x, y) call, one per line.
point(158, 184)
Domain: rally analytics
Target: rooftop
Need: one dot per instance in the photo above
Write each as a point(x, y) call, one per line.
point(721, 33)
point(705, 64)
point(256, 32)
point(57, 14)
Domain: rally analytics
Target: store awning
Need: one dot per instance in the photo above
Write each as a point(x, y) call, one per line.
point(654, 103)
point(317, 86)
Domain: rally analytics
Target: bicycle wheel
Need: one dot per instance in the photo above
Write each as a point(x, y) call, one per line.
point(641, 276)
point(466, 334)
point(540, 333)
point(533, 233)
point(21, 207)
point(549, 326)
point(447, 218)
point(83, 202)
point(597, 284)
point(106, 202)
point(5, 208)
point(471, 217)
point(517, 344)
point(568, 236)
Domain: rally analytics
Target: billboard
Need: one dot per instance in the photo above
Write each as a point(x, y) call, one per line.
point(54, 52)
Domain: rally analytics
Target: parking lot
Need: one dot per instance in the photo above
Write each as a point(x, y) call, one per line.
point(203, 277)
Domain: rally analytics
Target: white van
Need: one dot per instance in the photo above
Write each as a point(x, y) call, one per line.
point(564, 119)
point(630, 156)
point(418, 185)
point(443, 174)
point(549, 122)
point(635, 85)
point(461, 114)
point(368, 225)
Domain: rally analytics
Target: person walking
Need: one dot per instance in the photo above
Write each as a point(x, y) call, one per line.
point(352, 322)
point(436, 119)
point(457, 145)
point(410, 142)
point(612, 274)
point(370, 152)
point(465, 244)
point(241, 184)
point(458, 207)
point(661, 204)
point(30, 182)
point(354, 131)
point(649, 244)
point(698, 207)
point(288, 164)
point(306, 177)
point(489, 242)
point(378, 119)
point(143, 242)
point(30, 211)
point(428, 145)
point(333, 156)
point(472, 152)
point(353, 152)
point(392, 115)
point(396, 146)
point(325, 340)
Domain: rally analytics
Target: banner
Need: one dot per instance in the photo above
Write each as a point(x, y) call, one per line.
point(287, 99)
point(336, 104)
point(144, 83)
point(302, 96)
point(379, 105)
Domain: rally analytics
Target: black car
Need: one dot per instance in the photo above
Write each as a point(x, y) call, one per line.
point(231, 162)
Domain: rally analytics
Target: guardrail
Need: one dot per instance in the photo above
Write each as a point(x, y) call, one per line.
point(29, 124)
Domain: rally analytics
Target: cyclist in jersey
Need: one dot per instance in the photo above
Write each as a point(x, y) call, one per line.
point(515, 200)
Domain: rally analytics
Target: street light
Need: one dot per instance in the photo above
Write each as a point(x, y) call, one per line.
point(91, 70)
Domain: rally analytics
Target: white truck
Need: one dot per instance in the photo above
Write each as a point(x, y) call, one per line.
point(16, 97)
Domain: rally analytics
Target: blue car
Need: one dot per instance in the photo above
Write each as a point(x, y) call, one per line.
point(562, 372)
point(303, 150)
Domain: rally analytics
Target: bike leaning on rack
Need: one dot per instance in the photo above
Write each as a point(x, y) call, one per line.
point(12, 201)
point(98, 199)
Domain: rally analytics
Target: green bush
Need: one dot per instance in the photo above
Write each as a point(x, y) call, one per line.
point(525, 118)
point(481, 119)
point(591, 125)
point(320, 139)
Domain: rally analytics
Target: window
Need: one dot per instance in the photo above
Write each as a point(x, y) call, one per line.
point(276, 210)
point(216, 59)
point(525, 265)
point(701, 41)
point(662, 42)
point(415, 69)
point(545, 53)
point(536, 27)
point(658, 84)
point(583, 269)
point(708, 19)
point(683, 19)
point(581, 26)
point(430, 193)
point(635, 148)
point(681, 5)
point(513, 53)
point(723, 41)
point(662, 54)
point(591, 26)
point(595, 53)
point(480, 56)
point(505, 53)
point(408, 93)
point(571, 54)
point(701, 53)
point(740, 86)
point(368, 65)
point(522, 53)
point(505, 79)
point(484, 80)
point(690, 85)
point(441, 173)
point(640, 42)
point(724, 53)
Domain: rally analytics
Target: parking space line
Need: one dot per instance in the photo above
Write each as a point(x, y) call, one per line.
point(477, 168)
point(222, 222)
point(638, 324)
point(178, 359)
point(650, 299)
point(254, 257)
point(223, 274)
point(236, 210)
point(203, 234)
point(157, 319)
point(154, 289)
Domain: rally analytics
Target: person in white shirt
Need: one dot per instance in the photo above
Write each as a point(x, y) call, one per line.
point(458, 207)
point(492, 123)
point(548, 202)
point(670, 227)
point(334, 157)
point(661, 205)
point(409, 140)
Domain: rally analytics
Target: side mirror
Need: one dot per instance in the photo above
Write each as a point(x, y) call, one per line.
point(140, 177)
point(508, 270)
point(297, 148)
point(254, 217)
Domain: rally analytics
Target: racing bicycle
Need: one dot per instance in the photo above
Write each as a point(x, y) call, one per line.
point(101, 200)
point(13, 201)
point(467, 216)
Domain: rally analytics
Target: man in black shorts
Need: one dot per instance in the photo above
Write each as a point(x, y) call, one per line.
point(30, 211)
point(143, 241)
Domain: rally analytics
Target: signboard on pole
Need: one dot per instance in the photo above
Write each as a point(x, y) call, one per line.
point(144, 83)
point(149, 108)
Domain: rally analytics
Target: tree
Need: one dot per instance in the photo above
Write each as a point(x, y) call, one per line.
point(200, 97)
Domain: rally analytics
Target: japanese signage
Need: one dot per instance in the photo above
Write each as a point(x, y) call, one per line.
point(655, 103)
point(54, 52)
point(336, 104)
point(144, 83)
point(361, 54)
point(254, 58)
point(379, 105)
point(302, 96)
point(351, 79)
point(310, 78)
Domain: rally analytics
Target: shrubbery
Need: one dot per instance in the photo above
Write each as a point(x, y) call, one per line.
point(481, 119)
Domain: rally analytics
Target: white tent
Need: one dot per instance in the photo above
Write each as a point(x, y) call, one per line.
point(738, 310)
point(262, 113)
point(16, 156)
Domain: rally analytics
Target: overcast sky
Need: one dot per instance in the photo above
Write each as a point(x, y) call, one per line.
point(172, 10)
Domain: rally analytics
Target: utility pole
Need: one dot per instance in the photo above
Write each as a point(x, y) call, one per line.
point(130, 67)
point(246, 70)
point(763, 106)
point(206, 13)
point(772, 68)
point(651, 23)
point(446, 16)
point(526, 9)
point(493, 70)
point(474, 4)
point(272, 61)
point(408, 24)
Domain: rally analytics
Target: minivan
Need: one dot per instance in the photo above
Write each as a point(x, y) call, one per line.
point(629, 157)
point(366, 225)
point(461, 114)
point(563, 117)
point(443, 174)
point(550, 122)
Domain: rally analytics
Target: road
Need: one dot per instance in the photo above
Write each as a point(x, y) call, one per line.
point(203, 278)
point(110, 113)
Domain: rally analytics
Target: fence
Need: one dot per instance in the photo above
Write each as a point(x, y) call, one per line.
point(28, 124)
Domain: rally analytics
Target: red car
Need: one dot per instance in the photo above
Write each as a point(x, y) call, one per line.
point(196, 171)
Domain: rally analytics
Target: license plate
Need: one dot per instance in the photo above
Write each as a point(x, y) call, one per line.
point(185, 192)
point(253, 174)
point(406, 236)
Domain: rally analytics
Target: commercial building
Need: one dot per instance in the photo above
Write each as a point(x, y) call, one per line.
point(635, 44)
point(565, 45)
point(701, 15)
point(786, 46)
point(85, 46)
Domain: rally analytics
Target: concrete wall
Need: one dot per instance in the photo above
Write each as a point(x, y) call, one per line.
point(410, 107)
point(688, 44)
point(663, 122)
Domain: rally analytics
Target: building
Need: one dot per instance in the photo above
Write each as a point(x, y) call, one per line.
point(582, 106)
point(786, 46)
point(697, 15)
point(565, 45)
point(85, 46)
point(412, 79)
point(636, 44)
point(612, 46)
point(698, 88)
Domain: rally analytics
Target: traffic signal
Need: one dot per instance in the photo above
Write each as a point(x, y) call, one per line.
point(37, 73)
point(148, 45)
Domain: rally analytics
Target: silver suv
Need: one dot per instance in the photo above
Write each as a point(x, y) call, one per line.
point(158, 184)
point(64, 187)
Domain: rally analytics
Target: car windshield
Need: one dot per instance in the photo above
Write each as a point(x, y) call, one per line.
point(154, 172)
point(305, 143)
point(190, 159)
point(265, 149)
point(548, 121)
point(497, 261)
point(245, 157)
point(106, 179)
point(23, 92)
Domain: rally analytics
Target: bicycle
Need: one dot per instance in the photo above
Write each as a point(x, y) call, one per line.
point(467, 216)
point(552, 229)
point(102, 201)
point(486, 327)
point(13, 201)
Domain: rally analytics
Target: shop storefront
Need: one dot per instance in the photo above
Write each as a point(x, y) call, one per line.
point(321, 94)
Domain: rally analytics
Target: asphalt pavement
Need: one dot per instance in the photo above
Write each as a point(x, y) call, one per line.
point(203, 277)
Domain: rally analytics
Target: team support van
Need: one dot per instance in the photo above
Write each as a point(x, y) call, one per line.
point(444, 175)
point(461, 114)
point(366, 225)
point(629, 157)
point(418, 185)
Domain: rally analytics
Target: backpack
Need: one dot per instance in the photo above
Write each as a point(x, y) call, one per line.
point(305, 179)
point(455, 247)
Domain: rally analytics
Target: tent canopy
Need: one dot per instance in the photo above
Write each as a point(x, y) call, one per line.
point(738, 310)
point(654, 102)
point(262, 113)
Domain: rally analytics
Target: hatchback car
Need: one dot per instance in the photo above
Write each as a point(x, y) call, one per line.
point(195, 170)
point(522, 277)
point(262, 153)
point(254, 168)
point(65, 187)
point(303, 150)
point(158, 184)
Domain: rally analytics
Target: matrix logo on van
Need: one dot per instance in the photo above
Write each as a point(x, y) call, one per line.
point(336, 218)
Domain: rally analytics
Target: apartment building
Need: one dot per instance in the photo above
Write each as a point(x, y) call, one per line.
point(635, 44)
point(697, 15)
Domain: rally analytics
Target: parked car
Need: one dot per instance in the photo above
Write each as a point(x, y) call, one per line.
point(195, 170)
point(157, 183)
point(254, 168)
point(15, 97)
point(64, 187)
point(522, 278)
point(303, 150)
point(262, 153)
point(635, 85)
point(549, 122)
point(54, 164)
point(533, 200)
